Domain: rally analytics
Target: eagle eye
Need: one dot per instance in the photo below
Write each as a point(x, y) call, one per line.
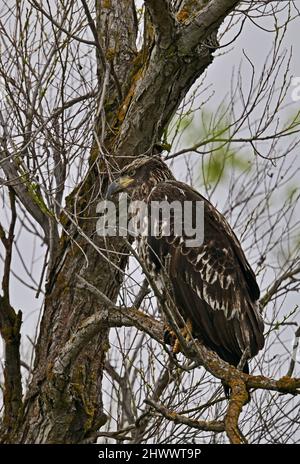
point(131, 173)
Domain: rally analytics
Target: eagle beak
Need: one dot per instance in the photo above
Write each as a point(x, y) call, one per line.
point(118, 186)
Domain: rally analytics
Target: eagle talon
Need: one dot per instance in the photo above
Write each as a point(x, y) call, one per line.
point(170, 337)
point(176, 347)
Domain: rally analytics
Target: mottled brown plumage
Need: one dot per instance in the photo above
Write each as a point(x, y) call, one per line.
point(213, 284)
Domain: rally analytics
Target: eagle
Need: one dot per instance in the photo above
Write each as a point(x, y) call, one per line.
point(212, 284)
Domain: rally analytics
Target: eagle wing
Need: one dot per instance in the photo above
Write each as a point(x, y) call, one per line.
point(213, 284)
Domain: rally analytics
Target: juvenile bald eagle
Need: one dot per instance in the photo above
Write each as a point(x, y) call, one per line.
point(213, 285)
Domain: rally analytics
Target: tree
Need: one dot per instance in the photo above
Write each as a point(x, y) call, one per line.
point(86, 89)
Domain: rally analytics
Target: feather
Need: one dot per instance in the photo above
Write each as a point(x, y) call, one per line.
point(214, 285)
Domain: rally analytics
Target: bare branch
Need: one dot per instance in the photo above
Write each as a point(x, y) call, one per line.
point(52, 19)
point(209, 18)
point(114, 316)
point(177, 418)
point(27, 197)
point(275, 287)
point(94, 32)
point(128, 317)
point(10, 324)
point(125, 389)
point(239, 396)
point(145, 71)
point(163, 21)
point(294, 353)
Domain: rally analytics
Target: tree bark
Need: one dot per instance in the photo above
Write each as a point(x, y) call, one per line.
point(143, 90)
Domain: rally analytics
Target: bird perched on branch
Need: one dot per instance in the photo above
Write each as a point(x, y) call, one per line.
point(212, 286)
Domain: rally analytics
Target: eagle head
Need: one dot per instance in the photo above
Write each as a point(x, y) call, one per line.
point(139, 177)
